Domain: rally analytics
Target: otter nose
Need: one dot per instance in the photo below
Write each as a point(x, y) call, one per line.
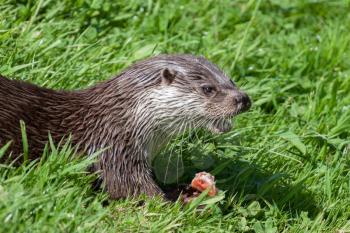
point(242, 101)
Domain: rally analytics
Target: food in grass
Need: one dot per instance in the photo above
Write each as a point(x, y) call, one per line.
point(201, 182)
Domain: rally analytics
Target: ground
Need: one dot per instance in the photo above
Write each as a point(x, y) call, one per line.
point(285, 166)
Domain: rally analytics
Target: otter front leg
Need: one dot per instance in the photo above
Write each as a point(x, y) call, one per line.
point(122, 182)
point(149, 187)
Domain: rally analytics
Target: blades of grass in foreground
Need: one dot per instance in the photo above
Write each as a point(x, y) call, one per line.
point(24, 142)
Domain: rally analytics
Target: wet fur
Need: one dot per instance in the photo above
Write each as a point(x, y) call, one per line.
point(128, 116)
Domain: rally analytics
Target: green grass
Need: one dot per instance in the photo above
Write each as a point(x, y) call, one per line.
point(286, 164)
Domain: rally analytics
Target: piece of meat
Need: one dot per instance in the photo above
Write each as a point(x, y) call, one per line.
point(199, 184)
point(203, 181)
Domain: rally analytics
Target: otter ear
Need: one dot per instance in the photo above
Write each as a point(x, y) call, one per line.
point(167, 76)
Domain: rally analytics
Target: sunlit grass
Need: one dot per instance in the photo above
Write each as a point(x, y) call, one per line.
point(284, 166)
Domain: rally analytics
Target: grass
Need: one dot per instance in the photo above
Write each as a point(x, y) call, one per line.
point(286, 164)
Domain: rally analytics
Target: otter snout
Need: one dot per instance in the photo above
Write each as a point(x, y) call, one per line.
point(242, 102)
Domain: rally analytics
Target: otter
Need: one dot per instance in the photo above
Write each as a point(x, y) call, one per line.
point(128, 118)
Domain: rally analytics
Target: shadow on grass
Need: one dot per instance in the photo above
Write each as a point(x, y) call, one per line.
point(247, 182)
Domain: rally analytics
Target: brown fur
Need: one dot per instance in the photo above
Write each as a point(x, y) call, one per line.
point(127, 116)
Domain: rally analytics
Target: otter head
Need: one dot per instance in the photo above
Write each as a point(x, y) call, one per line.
point(194, 93)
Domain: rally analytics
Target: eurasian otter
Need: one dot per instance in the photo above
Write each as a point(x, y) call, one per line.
point(129, 116)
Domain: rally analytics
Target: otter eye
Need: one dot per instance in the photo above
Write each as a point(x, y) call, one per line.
point(208, 90)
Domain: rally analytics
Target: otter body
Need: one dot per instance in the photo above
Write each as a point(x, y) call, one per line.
point(127, 117)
